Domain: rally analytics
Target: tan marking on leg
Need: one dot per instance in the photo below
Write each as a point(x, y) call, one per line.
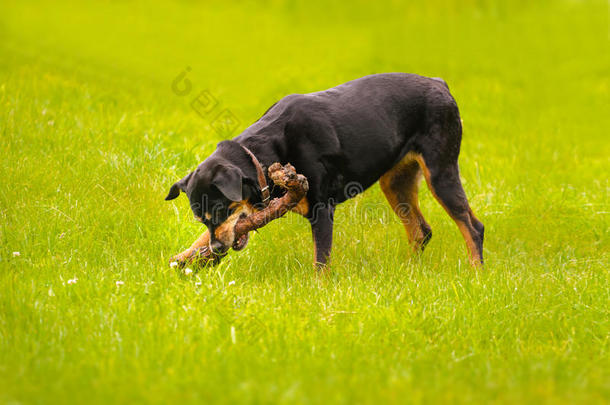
point(420, 160)
point(403, 197)
point(472, 247)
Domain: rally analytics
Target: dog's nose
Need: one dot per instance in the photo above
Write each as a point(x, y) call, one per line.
point(216, 246)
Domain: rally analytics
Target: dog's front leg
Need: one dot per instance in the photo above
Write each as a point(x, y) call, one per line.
point(322, 230)
point(186, 256)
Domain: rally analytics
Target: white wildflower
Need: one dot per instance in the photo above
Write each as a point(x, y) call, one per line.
point(188, 271)
point(232, 282)
point(16, 254)
point(73, 280)
point(119, 283)
point(173, 264)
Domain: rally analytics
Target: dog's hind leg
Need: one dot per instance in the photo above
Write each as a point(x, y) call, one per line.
point(400, 186)
point(438, 161)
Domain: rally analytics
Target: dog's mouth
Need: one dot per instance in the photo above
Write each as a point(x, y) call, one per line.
point(241, 242)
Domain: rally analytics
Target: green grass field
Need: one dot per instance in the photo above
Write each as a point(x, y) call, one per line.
point(93, 136)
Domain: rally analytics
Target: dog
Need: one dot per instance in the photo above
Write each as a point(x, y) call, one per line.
point(394, 128)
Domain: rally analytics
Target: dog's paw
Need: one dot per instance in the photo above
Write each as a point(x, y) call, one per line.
point(179, 260)
point(200, 257)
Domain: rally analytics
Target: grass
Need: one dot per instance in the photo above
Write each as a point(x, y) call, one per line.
point(93, 136)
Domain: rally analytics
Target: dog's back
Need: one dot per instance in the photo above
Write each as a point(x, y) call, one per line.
point(358, 130)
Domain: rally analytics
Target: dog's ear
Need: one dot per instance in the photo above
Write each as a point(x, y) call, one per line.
point(174, 192)
point(177, 187)
point(228, 180)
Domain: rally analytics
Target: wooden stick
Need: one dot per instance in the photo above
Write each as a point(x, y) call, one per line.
point(296, 186)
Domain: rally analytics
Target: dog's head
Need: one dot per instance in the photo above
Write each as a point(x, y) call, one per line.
point(219, 194)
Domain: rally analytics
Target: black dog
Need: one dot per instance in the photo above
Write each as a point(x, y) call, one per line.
point(390, 127)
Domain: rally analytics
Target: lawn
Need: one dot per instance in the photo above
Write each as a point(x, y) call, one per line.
point(104, 104)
